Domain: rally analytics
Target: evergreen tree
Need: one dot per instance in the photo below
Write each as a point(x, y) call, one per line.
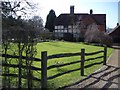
point(50, 20)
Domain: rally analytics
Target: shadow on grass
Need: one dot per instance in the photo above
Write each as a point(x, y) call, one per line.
point(51, 85)
point(96, 78)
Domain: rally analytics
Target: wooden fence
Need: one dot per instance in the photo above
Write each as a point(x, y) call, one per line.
point(44, 68)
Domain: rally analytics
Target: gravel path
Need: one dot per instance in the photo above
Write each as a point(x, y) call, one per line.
point(106, 77)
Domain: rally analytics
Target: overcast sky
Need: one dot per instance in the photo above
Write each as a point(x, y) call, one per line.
point(108, 7)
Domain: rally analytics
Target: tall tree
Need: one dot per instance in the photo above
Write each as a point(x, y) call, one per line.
point(50, 20)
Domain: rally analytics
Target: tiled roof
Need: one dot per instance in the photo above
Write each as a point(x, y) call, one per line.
point(113, 30)
point(66, 19)
point(99, 18)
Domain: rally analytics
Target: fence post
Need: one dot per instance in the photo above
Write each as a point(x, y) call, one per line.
point(82, 61)
point(44, 70)
point(105, 55)
point(20, 70)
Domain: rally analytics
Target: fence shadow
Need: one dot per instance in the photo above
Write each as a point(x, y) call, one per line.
point(115, 47)
point(105, 75)
point(44, 67)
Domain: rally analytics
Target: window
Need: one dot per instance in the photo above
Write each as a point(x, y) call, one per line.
point(70, 30)
point(62, 27)
point(74, 30)
point(56, 30)
point(69, 26)
point(65, 31)
point(56, 27)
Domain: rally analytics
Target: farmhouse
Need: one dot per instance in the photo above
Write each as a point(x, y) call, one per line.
point(115, 34)
point(72, 26)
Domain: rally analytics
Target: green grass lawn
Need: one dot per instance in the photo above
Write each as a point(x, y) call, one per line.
point(68, 47)
point(56, 47)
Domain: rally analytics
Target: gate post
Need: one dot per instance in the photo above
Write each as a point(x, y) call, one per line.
point(44, 70)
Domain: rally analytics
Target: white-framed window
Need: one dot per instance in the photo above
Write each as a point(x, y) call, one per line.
point(61, 30)
point(56, 30)
point(69, 26)
point(62, 27)
point(74, 31)
point(56, 27)
point(65, 31)
point(70, 30)
point(59, 27)
point(75, 26)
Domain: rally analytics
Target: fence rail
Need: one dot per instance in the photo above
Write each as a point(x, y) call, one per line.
point(44, 68)
point(93, 58)
point(22, 66)
point(22, 57)
point(93, 53)
point(63, 55)
point(61, 65)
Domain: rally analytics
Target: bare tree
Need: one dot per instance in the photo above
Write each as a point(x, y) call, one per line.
point(16, 8)
point(94, 35)
point(19, 34)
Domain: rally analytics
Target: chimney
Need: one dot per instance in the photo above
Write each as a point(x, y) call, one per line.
point(72, 10)
point(117, 24)
point(91, 11)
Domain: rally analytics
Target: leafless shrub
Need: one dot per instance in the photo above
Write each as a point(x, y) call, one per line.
point(94, 35)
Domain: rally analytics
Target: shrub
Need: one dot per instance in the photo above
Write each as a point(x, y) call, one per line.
point(94, 35)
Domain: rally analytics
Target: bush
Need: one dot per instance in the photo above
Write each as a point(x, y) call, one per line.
point(94, 35)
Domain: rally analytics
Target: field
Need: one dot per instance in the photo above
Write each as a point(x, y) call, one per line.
point(67, 47)
point(56, 47)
